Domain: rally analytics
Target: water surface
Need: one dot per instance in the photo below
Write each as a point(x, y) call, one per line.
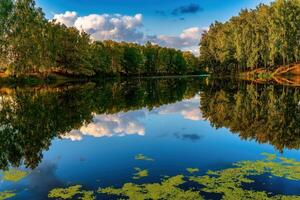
point(102, 134)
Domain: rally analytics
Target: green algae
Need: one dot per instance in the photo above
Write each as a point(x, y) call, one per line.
point(6, 195)
point(71, 192)
point(14, 175)
point(192, 170)
point(140, 173)
point(167, 189)
point(87, 195)
point(143, 157)
point(227, 182)
point(65, 193)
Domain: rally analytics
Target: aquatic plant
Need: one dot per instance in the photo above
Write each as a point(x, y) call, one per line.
point(143, 157)
point(14, 175)
point(6, 195)
point(71, 192)
point(227, 182)
point(192, 170)
point(140, 173)
point(167, 189)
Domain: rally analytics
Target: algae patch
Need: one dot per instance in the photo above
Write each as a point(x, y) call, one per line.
point(143, 157)
point(192, 170)
point(6, 195)
point(140, 173)
point(167, 189)
point(71, 192)
point(227, 182)
point(14, 175)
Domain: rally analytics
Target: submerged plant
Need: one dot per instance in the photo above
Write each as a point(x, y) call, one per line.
point(143, 157)
point(140, 173)
point(6, 195)
point(14, 175)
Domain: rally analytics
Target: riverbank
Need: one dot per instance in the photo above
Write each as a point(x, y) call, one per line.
point(284, 75)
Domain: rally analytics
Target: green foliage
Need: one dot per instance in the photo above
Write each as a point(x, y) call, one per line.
point(267, 36)
point(30, 44)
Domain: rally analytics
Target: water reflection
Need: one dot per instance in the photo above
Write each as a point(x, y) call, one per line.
point(30, 118)
point(264, 113)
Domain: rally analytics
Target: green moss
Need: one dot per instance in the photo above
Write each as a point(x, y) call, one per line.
point(6, 195)
point(14, 175)
point(192, 170)
point(71, 192)
point(140, 173)
point(143, 157)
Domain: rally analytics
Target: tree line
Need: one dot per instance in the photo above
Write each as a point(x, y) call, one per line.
point(265, 37)
point(29, 43)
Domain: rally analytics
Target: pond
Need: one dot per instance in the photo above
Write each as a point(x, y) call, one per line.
point(150, 138)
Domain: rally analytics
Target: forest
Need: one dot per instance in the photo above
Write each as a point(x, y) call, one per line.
point(265, 37)
point(31, 44)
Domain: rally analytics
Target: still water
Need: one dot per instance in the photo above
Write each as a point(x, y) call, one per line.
point(158, 138)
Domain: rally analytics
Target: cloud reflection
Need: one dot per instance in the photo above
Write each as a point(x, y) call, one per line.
point(129, 123)
point(189, 109)
point(120, 124)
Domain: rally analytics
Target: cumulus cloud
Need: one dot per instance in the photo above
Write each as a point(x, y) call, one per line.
point(68, 18)
point(187, 9)
point(120, 124)
point(104, 26)
point(188, 40)
point(128, 28)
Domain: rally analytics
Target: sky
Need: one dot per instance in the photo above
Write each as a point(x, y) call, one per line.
point(171, 23)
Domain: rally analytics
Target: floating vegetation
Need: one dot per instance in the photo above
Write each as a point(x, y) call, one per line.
point(6, 195)
point(192, 170)
point(14, 175)
point(228, 182)
point(167, 189)
point(140, 173)
point(71, 192)
point(143, 157)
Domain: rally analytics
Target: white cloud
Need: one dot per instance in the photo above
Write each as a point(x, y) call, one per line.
point(129, 28)
point(68, 18)
point(120, 124)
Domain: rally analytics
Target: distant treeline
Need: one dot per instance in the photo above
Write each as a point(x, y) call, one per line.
point(29, 43)
point(267, 37)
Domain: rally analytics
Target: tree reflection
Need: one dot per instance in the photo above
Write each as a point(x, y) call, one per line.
point(265, 113)
point(30, 118)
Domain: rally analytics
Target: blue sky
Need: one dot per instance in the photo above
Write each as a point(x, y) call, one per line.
point(159, 17)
